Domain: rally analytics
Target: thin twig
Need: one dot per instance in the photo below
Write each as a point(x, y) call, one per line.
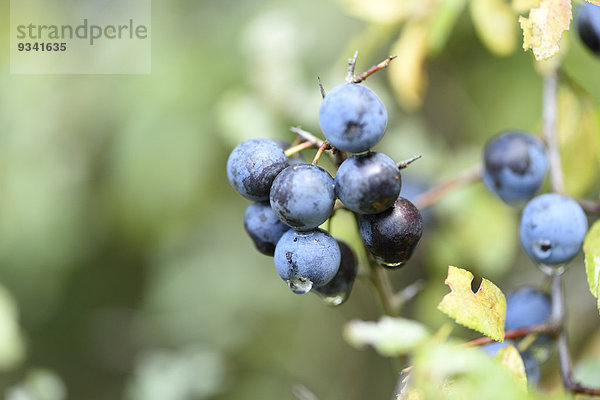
point(351, 67)
point(434, 194)
point(297, 148)
point(577, 388)
point(373, 69)
point(406, 163)
point(550, 327)
point(321, 88)
point(564, 356)
point(590, 206)
point(549, 112)
point(549, 117)
point(407, 294)
point(558, 314)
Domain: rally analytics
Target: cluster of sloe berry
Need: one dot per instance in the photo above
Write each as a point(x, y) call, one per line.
point(553, 226)
point(552, 231)
point(293, 198)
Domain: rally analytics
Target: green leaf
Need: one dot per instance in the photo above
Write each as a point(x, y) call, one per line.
point(544, 27)
point(390, 336)
point(483, 311)
point(512, 362)
point(591, 248)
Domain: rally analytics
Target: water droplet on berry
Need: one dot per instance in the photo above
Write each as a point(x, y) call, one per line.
point(300, 285)
point(388, 264)
point(334, 300)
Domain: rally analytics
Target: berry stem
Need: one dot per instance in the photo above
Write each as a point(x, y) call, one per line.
point(383, 287)
point(298, 148)
point(381, 282)
point(307, 136)
point(435, 194)
point(322, 148)
point(549, 115)
point(337, 156)
point(373, 69)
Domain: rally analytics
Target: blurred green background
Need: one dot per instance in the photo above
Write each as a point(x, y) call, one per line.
point(124, 265)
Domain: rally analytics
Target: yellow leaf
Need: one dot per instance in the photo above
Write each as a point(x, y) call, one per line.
point(596, 2)
point(407, 75)
point(544, 27)
point(495, 25)
point(484, 311)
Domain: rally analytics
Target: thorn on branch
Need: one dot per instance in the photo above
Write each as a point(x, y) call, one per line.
point(406, 163)
point(351, 67)
point(321, 88)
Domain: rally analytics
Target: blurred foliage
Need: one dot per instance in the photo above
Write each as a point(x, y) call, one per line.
point(389, 336)
point(591, 247)
point(126, 269)
point(38, 384)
